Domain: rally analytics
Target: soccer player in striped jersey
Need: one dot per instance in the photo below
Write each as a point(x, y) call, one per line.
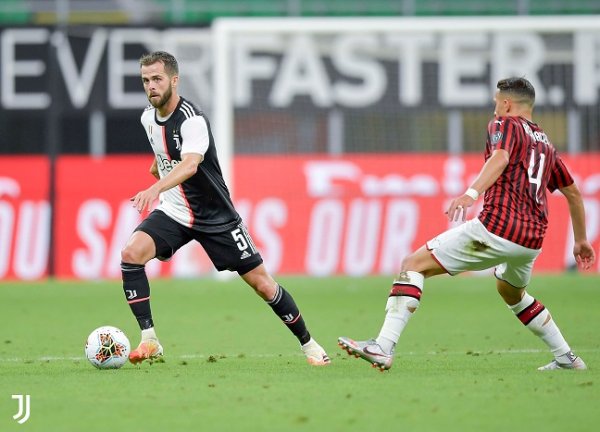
point(194, 205)
point(520, 165)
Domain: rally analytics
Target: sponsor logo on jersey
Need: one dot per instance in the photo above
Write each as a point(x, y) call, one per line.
point(165, 164)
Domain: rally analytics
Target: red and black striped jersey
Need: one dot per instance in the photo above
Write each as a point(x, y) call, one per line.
point(515, 207)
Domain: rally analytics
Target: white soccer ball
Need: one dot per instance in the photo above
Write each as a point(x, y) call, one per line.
point(107, 347)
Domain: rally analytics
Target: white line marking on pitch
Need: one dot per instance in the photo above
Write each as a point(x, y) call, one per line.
point(241, 355)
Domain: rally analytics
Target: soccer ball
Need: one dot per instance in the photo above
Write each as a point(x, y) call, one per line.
point(107, 347)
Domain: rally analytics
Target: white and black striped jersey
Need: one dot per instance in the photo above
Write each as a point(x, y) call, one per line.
point(202, 202)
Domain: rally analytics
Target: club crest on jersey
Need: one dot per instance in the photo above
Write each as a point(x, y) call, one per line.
point(177, 140)
point(496, 137)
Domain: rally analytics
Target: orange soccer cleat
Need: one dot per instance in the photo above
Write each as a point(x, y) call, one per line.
point(150, 350)
point(315, 354)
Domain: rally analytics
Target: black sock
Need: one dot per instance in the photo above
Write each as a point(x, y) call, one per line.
point(285, 307)
point(137, 293)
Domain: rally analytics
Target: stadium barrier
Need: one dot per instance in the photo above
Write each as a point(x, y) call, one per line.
point(316, 215)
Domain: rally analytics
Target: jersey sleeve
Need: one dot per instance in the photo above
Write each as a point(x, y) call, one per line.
point(194, 135)
point(502, 134)
point(560, 176)
point(146, 116)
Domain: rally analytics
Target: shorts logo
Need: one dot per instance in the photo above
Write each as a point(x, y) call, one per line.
point(245, 255)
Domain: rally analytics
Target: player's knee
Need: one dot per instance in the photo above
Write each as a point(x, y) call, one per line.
point(261, 281)
point(132, 255)
point(421, 262)
point(411, 263)
point(510, 294)
point(265, 289)
point(407, 263)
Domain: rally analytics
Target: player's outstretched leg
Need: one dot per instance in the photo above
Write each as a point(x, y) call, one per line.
point(539, 321)
point(285, 307)
point(404, 299)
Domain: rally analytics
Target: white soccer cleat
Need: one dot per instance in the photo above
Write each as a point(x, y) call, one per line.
point(572, 362)
point(368, 350)
point(315, 354)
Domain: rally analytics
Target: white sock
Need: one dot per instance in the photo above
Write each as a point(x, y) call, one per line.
point(542, 324)
point(149, 334)
point(399, 308)
point(309, 343)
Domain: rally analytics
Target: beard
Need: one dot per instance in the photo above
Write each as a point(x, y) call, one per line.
point(163, 100)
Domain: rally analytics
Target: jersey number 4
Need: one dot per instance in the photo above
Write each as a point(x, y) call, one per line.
point(536, 180)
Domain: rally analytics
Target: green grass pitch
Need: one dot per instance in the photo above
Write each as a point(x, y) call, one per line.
point(464, 363)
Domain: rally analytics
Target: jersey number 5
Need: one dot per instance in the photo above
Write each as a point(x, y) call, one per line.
point(536, 179)
point(239, 238)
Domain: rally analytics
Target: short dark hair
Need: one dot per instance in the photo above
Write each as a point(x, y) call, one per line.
point(170, 62)
point(519, 87)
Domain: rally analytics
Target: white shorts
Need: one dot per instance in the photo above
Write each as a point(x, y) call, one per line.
point(471, 247)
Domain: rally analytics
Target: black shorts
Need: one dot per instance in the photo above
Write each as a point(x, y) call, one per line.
point(232, 249)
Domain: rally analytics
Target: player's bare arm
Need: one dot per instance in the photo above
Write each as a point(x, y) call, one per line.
point(582, 249)
point(490, 172)
point(182, 171)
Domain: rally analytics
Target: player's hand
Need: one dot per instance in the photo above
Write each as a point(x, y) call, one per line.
point(458, 208)
point(144, 199)
point(584, 254)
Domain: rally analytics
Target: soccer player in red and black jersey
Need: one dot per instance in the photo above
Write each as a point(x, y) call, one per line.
point(520, 165)
point(194, 205)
